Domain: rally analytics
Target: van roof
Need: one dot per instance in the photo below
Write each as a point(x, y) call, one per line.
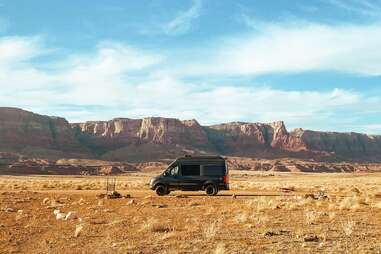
point(201, 157)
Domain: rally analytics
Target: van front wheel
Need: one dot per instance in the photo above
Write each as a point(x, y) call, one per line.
point(211, 190)
point(161, 190)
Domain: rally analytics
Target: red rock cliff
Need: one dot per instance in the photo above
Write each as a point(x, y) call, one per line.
point(28, 132)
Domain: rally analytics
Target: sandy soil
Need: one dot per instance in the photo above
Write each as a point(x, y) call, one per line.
point(320, 213)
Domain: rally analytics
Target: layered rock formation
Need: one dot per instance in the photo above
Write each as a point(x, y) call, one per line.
point(31, 133)
point(256, 139)
point(154, 138)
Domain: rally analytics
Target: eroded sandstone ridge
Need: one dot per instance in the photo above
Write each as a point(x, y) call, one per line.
point(153, 138)
point(30, 133)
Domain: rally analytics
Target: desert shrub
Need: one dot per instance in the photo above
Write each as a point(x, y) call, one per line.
point(153, 225)
point(348, 227)
point(211, 230)
point(220, 249)
point(311, 217)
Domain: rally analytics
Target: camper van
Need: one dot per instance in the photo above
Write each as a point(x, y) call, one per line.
point(193, 173)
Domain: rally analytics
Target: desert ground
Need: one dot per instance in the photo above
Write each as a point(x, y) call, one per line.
point(262, 213)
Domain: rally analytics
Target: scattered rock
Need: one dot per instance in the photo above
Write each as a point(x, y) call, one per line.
point(81, 201)
point(131, 202)
point(112, 195)
point(9, 210)
point(98, 221)
point(127, 196)
point(60, 216)
point(78, 230)
point(160, 206)
point(316, 196)
point(311, 238)
point(270, 234)
point(19, 201)
point(355, 190)
point(234, 196)
point(45, 201)
point(55, 206)
point(71, 216)
point(100, 196)
point(287, 189)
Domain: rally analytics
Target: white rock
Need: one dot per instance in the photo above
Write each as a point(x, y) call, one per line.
point(71, 216)
point(81, 201)
point(78, 230)
point(60, 216)
point(56, 212)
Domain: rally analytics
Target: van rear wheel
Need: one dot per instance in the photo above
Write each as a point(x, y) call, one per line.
point(161, 190)
point(211, 190)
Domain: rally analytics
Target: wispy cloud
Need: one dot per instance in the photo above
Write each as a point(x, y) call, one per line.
point(362, 7)
point(295, 46)
point(182, 22)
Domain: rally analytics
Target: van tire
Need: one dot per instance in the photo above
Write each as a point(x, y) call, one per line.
point(161, 190)
point(211, 190)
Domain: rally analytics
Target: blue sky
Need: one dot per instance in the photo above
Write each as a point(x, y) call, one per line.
point(314, 64)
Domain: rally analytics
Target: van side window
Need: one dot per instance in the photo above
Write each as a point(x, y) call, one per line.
point(174, 171)
point(213, 170)
point(190, 170)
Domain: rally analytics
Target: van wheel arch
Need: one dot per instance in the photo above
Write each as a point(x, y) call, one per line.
point(210, 188)
point(161, 189)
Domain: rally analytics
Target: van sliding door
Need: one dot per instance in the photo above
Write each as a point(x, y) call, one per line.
point(190, 175)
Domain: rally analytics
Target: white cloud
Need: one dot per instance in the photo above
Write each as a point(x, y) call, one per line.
point(120, 81)
point(18, 49)
point(294, 47)
point(182, 23)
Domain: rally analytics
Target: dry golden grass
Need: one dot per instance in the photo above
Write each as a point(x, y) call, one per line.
point(259, 219)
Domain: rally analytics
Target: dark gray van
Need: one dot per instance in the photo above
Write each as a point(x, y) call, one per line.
point(192, 173)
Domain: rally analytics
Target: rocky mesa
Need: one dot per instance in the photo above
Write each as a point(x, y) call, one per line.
point(153, 138)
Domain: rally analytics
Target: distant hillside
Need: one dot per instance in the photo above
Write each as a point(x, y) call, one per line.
point(155, 138)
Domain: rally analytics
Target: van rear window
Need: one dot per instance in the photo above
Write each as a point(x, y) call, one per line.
point(213, 170)
point(190, 170)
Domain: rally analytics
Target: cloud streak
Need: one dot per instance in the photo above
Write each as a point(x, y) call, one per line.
point(362, 7)
point(182, 23)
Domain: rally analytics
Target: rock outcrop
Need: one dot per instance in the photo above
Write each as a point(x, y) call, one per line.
point(140, 139)
point(153, 138)
point(155, 130)
point(273, 140)
point(30, 133)
point(256, 139)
